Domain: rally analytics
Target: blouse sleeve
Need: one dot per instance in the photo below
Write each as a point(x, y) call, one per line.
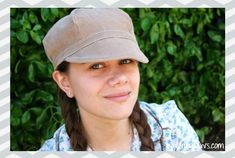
point(186, 137)
point(49, 145)
point(59, 142)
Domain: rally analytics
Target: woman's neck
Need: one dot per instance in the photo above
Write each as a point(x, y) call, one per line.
point(108, 134)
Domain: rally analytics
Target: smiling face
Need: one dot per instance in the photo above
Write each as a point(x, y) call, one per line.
point(107, 90)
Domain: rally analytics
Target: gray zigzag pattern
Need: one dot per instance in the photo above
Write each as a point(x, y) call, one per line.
point(5, 78)
point(120, 3)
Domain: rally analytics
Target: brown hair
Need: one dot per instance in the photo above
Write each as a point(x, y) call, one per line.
point(74, 127)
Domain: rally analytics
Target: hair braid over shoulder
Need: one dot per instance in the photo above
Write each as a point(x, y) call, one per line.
point(139, 119)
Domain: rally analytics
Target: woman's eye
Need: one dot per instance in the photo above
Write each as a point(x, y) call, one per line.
point(126, 61)
point(97, 66)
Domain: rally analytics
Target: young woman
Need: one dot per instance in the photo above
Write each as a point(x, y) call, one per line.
point(95, 55)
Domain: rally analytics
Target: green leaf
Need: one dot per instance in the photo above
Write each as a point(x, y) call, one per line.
point(199, 27)
point(15, 121)
point(200, 66)
point(27, 97)
point(150, 72)
point(22, 36)
point(35, 37)
point(34, 56)
point(215, 36)
point(178, 31)
point(187, 22)
point(198, 53)
point(162, 31)
point(32, 17)
point(145, 24)
point(165, 96)
point(17, 66)
point(45, 13)
point(42, 67)
point(142, 13)
point(45, 96)
point(25, 117)
point(55, 12)
point(26, 25)
point(51, 130)
point(202, 133)
point(154, 34)
point(182, 76)
point(171, 48)
point(25, 15)
point(22, 52)
point(42, 117)
point(172, 91)
point(222, 80)
point(31, 73)
point(37, 27)
point(36, 110)
point(153, 86)
point(217, 115)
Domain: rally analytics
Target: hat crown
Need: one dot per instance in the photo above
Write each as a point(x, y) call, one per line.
point(81, 24)
point(90, 21)
point(88, 35)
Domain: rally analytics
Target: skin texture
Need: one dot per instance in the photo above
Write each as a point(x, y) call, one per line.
point(106, 93)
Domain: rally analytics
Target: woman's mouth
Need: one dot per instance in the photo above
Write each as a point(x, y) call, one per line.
point(118, 97)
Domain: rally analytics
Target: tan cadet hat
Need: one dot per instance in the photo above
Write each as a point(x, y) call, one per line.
point(92, 35)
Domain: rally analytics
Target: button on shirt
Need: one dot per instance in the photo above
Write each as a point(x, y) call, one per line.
point(170, 129)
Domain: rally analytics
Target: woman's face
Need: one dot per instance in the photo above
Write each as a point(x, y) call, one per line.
point(106, 89)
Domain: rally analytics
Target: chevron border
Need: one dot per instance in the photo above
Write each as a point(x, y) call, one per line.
point(5, 74)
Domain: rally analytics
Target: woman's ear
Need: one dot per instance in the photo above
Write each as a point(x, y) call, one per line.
point(62, 81)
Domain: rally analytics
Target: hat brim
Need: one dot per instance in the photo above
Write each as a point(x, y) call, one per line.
point(108, 49)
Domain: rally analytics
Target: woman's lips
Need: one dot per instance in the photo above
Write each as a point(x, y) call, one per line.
point(118, 97)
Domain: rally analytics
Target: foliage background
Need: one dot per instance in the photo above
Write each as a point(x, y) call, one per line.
point(186, 49)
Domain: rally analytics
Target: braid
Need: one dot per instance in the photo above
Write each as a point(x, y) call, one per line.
point(73, 123)
point(139, 119)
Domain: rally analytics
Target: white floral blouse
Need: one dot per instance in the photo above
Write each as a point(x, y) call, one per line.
point(171, 131)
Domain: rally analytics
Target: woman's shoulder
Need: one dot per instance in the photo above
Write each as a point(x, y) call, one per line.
point(164, 107)
point(178, 133)
point(163, 112)
point(168, 114)
point(60, 141)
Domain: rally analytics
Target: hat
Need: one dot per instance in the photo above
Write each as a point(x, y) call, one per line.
point(91, 35)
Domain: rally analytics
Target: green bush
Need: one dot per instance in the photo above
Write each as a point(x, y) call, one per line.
point(186, 49)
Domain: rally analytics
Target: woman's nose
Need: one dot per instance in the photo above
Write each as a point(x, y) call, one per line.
point(117, 78)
